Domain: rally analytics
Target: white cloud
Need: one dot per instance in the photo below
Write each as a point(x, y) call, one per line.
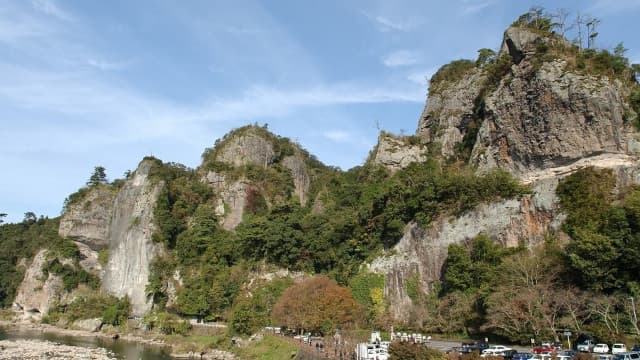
point(338, 135)
point(49, 7)
point(400, 58)
point(108, 65)
point(474, 6)
point(422, 77)
point(386, 24)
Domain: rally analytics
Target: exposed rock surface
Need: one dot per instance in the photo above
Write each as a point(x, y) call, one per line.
point(396, 153)
point(131, 248)
point(87, 221)
point(37, 292)
point(247, 148)
point(232, 198)
point(89, 260)
point(423, 251)
point(448, 112)
point(552, 119)
point(92, 325)
point(301, 180)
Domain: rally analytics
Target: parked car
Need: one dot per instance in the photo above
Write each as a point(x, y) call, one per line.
point(632, 355)
point(569, 353)
point(618, 348)
point(543, 348)
point(601, 349)
point(496, 350)
point(522, 356)
point(636, 347)
point(507, 354)
point(468, 347)
point(586, 346)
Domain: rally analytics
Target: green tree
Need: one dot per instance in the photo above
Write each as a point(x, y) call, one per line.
point(458, 273)
point(594, 259)
point(98, 177)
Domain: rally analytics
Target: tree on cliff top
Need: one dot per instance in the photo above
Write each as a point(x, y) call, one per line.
point(99, 176)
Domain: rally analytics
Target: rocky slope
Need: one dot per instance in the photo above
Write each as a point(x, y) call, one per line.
point(397, 152)
point(118, 220)
point(541, 123)
point(236, 154)
point(38, 292)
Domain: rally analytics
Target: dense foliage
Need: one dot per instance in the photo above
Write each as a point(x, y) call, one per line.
point(20, 242)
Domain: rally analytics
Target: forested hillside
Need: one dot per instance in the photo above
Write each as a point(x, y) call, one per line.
point(517, 214)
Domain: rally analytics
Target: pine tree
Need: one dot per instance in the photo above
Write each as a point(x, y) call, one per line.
point(99, 176)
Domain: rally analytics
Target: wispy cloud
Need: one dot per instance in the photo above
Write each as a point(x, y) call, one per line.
point(108, 65)
point(387, 24)
point(338, 135)
point(50, 8)
point(422, 77)
point(400, 58)
point(473, 6)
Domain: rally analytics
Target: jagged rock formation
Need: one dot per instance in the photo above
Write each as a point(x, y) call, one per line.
point(240, 150)
point(541, 123)
point(38, 292)
point(550, 120)
point(88, 220)
point(247, 148)
point(424, 251)
point(449, 111)
point(232, 198)
point(396, 153)
point(131, 248)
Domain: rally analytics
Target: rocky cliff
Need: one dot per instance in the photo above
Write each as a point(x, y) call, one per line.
point(38, 292)
point(131, 248)
point(397, 152)
point(118, 220)
point(228, 168)
point(541, 122)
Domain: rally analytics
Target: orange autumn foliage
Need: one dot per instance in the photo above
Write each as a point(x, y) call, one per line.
point(318, 303)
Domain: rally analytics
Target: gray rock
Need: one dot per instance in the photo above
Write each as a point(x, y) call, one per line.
point(131, 248)
point(552, 119)
point(88, 220)
point(248, 148)
point(301, 180)
point(37, 292)
point(448, 112)
point(396, 153)
point(92, 325)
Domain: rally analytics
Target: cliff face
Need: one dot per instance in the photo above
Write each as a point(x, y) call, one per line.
point(552, 119)
point(38, 293)
point(396, 153)
point(541, 123)
point(131, 248)
point(449, 111)
point(88, 220)
point(247, 147)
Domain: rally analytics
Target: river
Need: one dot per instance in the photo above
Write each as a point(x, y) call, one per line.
point(121, 349)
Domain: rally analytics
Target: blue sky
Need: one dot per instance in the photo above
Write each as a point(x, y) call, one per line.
point(86, 83)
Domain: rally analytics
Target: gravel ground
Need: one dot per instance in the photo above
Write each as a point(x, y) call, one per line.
point(38, 350)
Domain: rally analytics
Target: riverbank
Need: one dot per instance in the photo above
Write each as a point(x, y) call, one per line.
point(37, 350)
point(39, 327)
point(177, 347)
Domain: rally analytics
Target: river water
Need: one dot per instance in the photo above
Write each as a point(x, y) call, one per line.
point(121, 349)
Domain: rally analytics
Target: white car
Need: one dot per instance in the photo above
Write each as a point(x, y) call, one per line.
point(618, 348)
point(495, 350)
point(601, 349)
